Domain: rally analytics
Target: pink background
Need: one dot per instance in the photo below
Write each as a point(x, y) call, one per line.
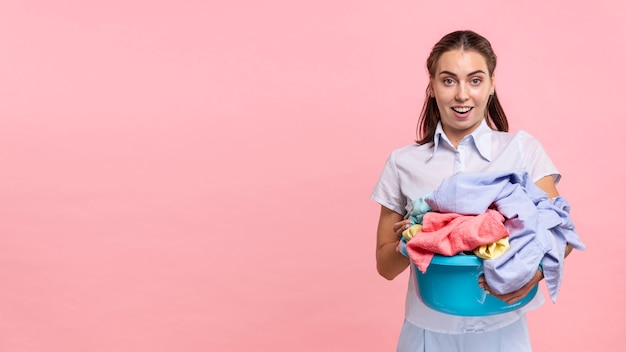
point(184, 176)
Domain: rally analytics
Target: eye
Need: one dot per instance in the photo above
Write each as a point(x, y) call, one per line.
point(476, 81)
point(448, 81)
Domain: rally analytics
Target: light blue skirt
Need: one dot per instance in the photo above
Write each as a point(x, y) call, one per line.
point(511, 338)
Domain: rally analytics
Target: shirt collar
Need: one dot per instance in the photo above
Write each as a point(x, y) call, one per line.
point(438, 135)
point(481, 137)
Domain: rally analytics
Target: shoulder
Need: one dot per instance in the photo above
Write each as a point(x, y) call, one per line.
point(535, 158)
point(521, 138)
point(521, 134)
point(527, 142)
point(410, 155)
point(412, 150)
point(524, 135)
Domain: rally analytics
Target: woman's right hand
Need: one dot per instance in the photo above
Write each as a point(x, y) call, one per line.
point(389, 261)
point(399, 227)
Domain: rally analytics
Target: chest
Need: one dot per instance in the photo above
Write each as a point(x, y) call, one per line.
point(419, 178)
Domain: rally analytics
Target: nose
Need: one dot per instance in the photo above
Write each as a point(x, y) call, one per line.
point(461, 94)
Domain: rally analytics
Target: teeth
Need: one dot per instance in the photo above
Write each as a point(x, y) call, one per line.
point(462, 110)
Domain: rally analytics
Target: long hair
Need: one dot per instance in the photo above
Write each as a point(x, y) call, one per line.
point(465, 40)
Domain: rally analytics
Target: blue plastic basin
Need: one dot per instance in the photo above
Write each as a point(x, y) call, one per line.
point(450, 285)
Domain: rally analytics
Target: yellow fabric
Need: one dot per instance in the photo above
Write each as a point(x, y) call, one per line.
point(493, 250)
point(411, 231)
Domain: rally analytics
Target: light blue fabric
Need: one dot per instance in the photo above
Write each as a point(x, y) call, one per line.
point(419, 209)
point(402, 248)
point(539, 228)
point(511, 338)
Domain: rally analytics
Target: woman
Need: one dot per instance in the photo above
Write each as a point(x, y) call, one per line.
point(462, 127)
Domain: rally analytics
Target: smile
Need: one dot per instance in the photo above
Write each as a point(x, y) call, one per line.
point(462, 110)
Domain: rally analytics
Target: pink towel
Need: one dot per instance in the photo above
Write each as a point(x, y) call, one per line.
point(450, 233)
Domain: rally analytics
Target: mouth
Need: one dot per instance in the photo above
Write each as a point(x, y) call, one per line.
point(462, 109)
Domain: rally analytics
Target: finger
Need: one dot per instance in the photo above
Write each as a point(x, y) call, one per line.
point(399, 232)
point(512, 300)
point(509, 298)
point(400, 225)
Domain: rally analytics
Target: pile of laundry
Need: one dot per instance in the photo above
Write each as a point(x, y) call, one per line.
point(502, 217)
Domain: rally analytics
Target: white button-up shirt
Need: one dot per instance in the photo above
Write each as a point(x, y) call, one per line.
point(414, 171)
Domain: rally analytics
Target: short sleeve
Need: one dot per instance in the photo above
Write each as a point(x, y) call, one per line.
point(536, 160)
point(387, 191)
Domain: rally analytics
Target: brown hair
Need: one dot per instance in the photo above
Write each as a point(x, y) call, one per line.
point(465, 40)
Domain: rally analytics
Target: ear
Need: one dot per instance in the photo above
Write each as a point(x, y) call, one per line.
point(493, 84)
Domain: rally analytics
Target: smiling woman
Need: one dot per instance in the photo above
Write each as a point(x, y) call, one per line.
point(463, 129)
point(461, 67)
point(461, 87)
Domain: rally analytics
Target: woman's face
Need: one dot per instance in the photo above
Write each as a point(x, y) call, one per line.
point(462, 86)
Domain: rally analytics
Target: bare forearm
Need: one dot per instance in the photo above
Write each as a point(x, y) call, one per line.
point(389, 262)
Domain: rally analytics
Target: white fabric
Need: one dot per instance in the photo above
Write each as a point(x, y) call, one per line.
point(416, 170)
point(511, 338)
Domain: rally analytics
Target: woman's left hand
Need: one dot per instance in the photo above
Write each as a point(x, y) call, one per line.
point(514, 296)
